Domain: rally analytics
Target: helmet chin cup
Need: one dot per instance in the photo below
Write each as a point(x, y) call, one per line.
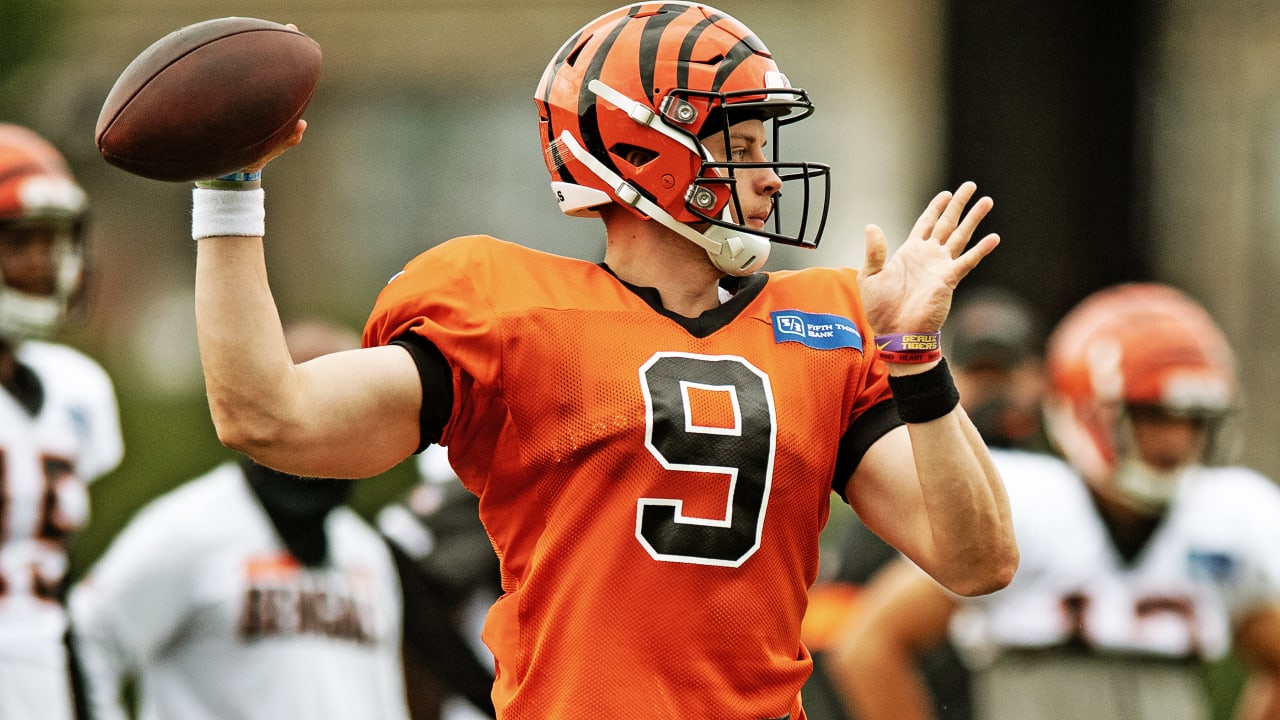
point(1144, 488)
point(737, 253)
point(28, 317)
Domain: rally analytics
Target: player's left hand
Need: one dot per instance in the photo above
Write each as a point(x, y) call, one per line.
point(911, 292)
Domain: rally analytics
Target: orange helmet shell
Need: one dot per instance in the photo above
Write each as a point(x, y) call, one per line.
point(679, 61)
point(1134, 344)
point(35, 180)
point(37, 191)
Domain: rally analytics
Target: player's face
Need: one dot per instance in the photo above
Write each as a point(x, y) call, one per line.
point(1165, 441)
point(756, 186)
point(27, 261)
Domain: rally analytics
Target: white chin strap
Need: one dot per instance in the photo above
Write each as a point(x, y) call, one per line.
point(1145, 488)
point(732, 252)
point(24, 316)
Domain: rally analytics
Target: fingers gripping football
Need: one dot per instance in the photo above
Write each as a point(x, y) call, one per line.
point(209, 99)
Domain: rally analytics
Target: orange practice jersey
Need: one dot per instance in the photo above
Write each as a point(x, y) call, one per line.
point(655, 497)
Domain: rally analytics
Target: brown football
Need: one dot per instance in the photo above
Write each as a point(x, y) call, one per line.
point(208, 99)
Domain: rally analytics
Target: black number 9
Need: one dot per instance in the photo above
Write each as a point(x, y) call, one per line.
point(744, 452)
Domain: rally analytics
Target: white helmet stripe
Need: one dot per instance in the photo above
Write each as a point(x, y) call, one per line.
point(644, 116)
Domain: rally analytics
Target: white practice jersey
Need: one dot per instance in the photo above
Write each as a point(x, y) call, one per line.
point(200, 601)
point(1215, 555)
point(46, 462)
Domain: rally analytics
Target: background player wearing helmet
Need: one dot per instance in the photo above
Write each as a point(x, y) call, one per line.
point(245, 593)
point(654, 440)
point(1139, 559)
point(59, 425)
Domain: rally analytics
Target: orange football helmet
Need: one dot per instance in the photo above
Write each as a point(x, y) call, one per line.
point(658, 77)
point(38, 198)
point(1140, 345)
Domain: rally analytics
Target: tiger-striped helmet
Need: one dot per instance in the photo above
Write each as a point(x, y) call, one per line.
point(40, 205)
point(1126, 348)
point(658, 78)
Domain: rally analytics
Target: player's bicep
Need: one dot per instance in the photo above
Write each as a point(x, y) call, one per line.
point(885, 492)
point(358, 415)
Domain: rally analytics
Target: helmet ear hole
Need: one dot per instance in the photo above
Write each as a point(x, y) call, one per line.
point(572, 59)
point(633, 155)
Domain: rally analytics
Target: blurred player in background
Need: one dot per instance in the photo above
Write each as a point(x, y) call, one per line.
point(655, 439)
point(59, 424)
point(442, 548)
point(245, 593)
point(994, 344)
point(1141, 559)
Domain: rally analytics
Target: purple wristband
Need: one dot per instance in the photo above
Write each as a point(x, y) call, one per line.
point(920, 347)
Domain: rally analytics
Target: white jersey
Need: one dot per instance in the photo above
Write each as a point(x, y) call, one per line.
point(1215, 555)
point(200, 601)
point(46, 461)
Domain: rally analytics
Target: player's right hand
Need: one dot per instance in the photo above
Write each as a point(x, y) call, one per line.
point(291, 141)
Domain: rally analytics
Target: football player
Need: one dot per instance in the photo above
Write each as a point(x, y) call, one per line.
point(653, 439)
point(245, 593)
point(1142, 557)
point(59, 424)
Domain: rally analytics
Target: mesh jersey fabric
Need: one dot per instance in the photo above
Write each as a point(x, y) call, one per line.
point(655, 497)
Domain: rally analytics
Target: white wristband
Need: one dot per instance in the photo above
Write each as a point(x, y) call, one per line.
point(219, 213)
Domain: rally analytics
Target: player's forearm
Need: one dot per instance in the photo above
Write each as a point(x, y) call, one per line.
point(249, 376)
point(1258, 700)
point(879, 682)
point(972, 531)
point(301, 419)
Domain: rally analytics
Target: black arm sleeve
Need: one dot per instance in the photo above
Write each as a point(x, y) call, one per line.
point(432, 635)
point(437, 387)
point(861, 435)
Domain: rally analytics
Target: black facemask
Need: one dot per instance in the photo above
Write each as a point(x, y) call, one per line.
point(297, 507)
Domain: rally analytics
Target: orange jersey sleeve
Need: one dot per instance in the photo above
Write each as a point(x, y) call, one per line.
point(655, 494)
